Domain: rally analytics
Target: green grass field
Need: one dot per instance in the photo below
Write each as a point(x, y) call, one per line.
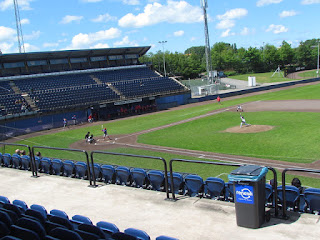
point(300, 145)
point(263, 77)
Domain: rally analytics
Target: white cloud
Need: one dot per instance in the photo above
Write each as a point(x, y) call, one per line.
point(308, 2)
point(33, 35)
point(104, 18)
point(131, 2)
point(178, 33)
point(25, 21)
point(227, 33)
point(50, 45)
point(192, 39)
point(30, 48)
point(101, 45)
point(91, 1)
point(125, 42)
point(23, 4)
point(173, 12)
point(245, 31)
point(276, 29)
point(290, 13)
point(7, 34)
point(82, 40)
point(68, 19)
point(262, 3)
point(227, 20)
point(6, 47)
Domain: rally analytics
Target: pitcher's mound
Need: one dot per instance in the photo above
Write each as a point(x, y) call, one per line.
point(249, 129)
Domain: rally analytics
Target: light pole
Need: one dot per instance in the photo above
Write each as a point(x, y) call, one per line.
point(164, 58)
point(317, 59)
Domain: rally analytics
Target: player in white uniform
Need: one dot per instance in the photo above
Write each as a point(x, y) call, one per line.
point(243, 121)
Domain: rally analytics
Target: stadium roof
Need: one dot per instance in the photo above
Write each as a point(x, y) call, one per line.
point(16, 57)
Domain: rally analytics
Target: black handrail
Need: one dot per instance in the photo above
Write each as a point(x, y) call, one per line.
point(32, 160)
point(284, 204)
point(139, 156)
point(275, 195)
point(73, 150)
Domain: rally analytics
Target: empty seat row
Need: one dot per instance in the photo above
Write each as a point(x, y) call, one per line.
point(18, 221)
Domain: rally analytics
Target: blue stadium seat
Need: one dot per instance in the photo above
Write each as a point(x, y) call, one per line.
point(156, 179)
point(21, 204)
point(62, 221)
point(13, 208)
point(23, 233)
point(292, 196)
point(214, 187)
point(81, 170)
point(36, 215)
point(40, 209)
point(137, 233)
point(123, 236)
point(4, 199)
point(59, 213)
point(6, 160)
point(32, 225)
point(178, 183)
point(269, 192)
point(162, 237)
point(45, 165)
point(4, 229)
point(57, 166)
point(97, 171)
point(312, 198)
point(123, 175)
point(108, 228)
point(194, 185)
point(6, 219)
point(92, 229)
point(108, 173)
point(16, 161)
point(229, 192)
point(65, 234)
point(139, 177)
point(13, 216)
point(25, 162)
point(38, 163)
point(69, 168)
point(79, 219)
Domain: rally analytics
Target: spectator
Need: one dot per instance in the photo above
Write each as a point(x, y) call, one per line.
point(74, 118)
point(22, 152)
point(38, 154)
point(17, 151)
point(65, 122)
point(297, 183)
point(90, 119)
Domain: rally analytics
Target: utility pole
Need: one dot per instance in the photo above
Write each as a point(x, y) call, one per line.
point(18, 26)
point(164, 57)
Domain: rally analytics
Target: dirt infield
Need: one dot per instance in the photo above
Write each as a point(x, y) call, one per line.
point(249, 129)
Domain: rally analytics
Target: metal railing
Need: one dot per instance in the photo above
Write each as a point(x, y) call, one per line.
point(137, 156)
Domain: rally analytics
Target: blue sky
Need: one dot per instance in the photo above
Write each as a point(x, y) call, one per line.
point(81, 24)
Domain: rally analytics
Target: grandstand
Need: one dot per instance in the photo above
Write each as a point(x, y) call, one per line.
point(47, 86)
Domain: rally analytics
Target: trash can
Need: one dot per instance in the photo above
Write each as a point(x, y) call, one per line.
point(249, 183)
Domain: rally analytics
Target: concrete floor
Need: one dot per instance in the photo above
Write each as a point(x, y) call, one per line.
point(187, 218)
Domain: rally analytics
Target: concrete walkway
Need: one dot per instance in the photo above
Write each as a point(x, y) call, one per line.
point(185, 219)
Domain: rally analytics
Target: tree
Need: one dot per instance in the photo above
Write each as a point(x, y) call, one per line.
point(286, 53)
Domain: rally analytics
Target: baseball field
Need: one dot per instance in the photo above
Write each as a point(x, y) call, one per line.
point(284, 132)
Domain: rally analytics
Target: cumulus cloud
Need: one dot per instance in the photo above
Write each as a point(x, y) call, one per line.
point(33, 35)
point(24, 21)
point(30, 48)
point(7, 34)
point(125, 42)
point(104, 18)
point(6, 47)
point(178, 33)
point(68, 19)
point(131, 2)
point(290, 13)
point(85, 40)
point(227, 20)
point(101, 45)
point(23, 5)
point(308, 2)
point(173, 12)
point(262, 3)
point(276, 29)
point(227, 33)
point(245, 31)
point(50, 45)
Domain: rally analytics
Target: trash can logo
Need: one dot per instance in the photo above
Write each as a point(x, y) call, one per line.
point(244, 194)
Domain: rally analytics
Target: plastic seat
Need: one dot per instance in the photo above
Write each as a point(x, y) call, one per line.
point(229, 193)
point(214, 187)
point(178, 183)
point(108, 173)
point(123, 175)
point(81, 170)
point(69, 168)
point(25, 162)
point(194, 185)
point(45, 165)
point(86, 235)
point(137, 233)
point(4, 229)
point(62, 221)
point(92, 229)
point(139, 177)
point(312, 198)
point(5, 218)
point(16, 161)
point(8, 237)
point(13, 216)
point(79, 219)
point(6, 160)
point(156, 179)
point(292, 196)
point(13, 208)
point(108, 228)
point(23, 233)
point(32, 225)
point(57, 167)
point(4, 199)
point(97, 171)
point(36, 214)
point(269, 192)
point(64, 234)
point(59, 213)
point(123, 236)
point(40, 209)
point(38, 163)
point(162, 237)
point(23, 206)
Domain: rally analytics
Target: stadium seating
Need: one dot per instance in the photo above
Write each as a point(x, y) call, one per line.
point(292, 197)
point(25, 162)
point(6, 160)
point(194, 185)
point(214, 187)
point(178, 183)
point(123, 175)
point(108, 173)
point(59, 213)
point(57, 166)
point(16, 161)
point(137, 233)
point(23, 206)
point(69, 168)
point(312, 199)
point(139, 177)
point(45, 165)
point(81, 170)
point(156, 179)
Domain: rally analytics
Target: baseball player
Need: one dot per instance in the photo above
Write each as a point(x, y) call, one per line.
point(243, 121)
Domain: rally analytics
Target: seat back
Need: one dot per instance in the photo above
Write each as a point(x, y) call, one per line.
point(312, 198)
point(162, 237)
point(57, 166)
point(62, 221)
point(23, 233)
point(214, 187)
point(6, 160)
point(36, 214)
point(32, 225)
point(269, 191)
point(4, 229)
point(25, 162)
point(97, 171)
point(23, 206)
point(139, 177)
point(16, 161)
point(292, 196)
point(59, 213)
point(194, 185)
point(79, 219)
point(4, 199)
point(156, 179)
point(108, 228)
point(81, 169)
point(6, 219)
point(45, 165)
point(108, 173)
point(64, 234)
point(40, 209)
point(178, 183)
point(137, 233)
point(123, 175)
point(69, 168)
point(92, 229)
point(229, 191)
point(13, 208)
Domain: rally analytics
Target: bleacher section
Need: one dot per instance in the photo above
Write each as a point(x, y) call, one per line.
point(68, 91)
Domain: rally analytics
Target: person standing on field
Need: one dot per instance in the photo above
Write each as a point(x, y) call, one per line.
point(105, 134)
point(219, 99)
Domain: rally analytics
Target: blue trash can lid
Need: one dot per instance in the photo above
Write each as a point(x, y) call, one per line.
point(251, 173)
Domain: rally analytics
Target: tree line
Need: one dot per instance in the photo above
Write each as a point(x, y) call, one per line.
point(232, 60)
